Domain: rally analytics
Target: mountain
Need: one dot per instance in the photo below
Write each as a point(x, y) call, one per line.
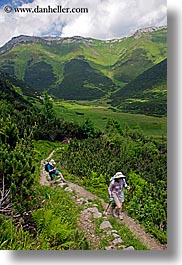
point(144, 49)
point(82, 68)
point(9, 93)
point(145, 94)
point(81, 81)
point(44, 65)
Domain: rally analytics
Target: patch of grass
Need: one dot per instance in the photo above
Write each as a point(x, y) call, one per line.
point(152, 126)
point(55, 222)
point(43, 148)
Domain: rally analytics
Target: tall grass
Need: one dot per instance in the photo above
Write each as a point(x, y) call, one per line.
point(99, 115)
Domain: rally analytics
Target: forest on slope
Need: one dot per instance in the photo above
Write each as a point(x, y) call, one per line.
point(21, 197)
point(145, 94)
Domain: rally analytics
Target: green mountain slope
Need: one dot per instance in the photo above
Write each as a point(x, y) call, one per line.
point(83, 82)
point(8, 92)
point(82, 68)
point(146, 94)
point(143, 50)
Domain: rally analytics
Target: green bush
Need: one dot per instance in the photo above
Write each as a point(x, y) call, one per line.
point(57, 222)
point(147, 203)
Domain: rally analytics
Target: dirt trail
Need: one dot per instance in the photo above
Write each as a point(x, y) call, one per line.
point(135, 227)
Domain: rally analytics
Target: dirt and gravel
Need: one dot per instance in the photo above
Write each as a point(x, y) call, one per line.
point(86, 223)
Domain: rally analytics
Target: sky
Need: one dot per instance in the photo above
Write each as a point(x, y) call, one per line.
point(105, 19)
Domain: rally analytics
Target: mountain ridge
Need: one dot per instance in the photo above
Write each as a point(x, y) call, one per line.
point(47, 39)
point(97, 68)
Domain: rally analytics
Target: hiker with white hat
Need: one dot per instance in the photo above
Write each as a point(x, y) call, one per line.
point(116, 192)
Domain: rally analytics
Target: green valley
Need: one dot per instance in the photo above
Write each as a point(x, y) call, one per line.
point(80, 68)
point(100, 115)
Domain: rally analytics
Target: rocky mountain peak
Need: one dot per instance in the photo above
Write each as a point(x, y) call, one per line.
point(139, 32)
point(19, 40)
point(43, 40)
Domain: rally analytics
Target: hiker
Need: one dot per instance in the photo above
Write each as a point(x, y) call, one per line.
point(116, 193)
point(53, 172)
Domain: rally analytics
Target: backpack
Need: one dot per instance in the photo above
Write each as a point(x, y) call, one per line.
point(46, 167)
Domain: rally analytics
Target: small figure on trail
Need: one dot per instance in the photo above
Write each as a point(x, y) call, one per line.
point(53, 172)
point(116, 193)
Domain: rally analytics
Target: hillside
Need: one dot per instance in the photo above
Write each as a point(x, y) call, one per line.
point(145, 94)
point(36, 217)
point(9, 93)
point(82, 68)
point(143, 50)
point(82, 82)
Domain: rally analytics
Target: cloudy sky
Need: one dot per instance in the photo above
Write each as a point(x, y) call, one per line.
point(106, 19)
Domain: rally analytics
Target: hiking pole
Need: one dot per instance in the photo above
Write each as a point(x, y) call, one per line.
point(105, 212)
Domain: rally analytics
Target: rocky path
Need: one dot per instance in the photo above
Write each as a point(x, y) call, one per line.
point(86, 218)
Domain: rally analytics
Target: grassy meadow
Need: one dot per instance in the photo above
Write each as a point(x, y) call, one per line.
point(99, 115)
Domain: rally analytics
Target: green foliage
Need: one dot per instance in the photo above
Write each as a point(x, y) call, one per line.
point(88, 130)
point(128, 68)
point(126, 151)
point(9, 94)
point(100, 115)
point(43, 148)
point(48, 109)
point(40, 123)
point(94, 161)
point(57, 222)
point(146, 94)
point(96, 184)
point(147, 202)
point(81, 81)
point(17, 166)
point(52, 232)
point(13, 238)
point(39, 75)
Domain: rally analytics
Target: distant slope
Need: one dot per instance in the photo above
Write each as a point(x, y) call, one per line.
point(146, 94)
point(82, 82)
point(144, 49)
point(43, 62)
point(8, 93)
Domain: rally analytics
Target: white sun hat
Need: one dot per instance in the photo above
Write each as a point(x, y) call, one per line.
point(118, 175)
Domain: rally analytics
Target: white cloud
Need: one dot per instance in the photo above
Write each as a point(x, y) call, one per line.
point(105, 19)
